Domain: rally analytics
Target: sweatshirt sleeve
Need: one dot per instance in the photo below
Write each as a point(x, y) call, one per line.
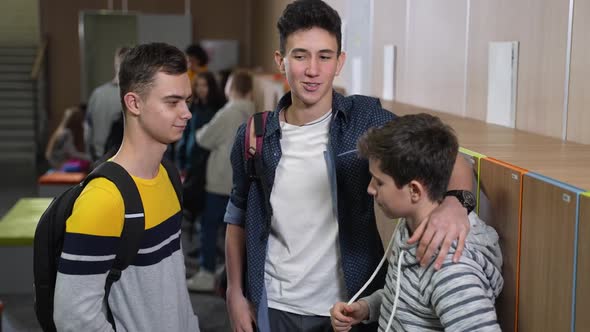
point(213, 134)
point(374, 300)
point(236, 207)
point(461, 299)
point(92, 234)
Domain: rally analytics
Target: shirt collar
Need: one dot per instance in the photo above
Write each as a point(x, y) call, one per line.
point(340, 107)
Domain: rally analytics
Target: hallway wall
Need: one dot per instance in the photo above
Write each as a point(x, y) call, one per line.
point(220, 19)
point(19, 22)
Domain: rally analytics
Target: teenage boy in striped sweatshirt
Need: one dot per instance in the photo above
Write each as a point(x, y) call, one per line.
point(410, 160)
point(151, 294)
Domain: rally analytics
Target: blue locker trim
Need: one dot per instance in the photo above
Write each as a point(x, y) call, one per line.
point(556, 182)
point(577, 191)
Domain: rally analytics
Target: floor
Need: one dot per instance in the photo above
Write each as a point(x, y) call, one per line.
point(18, 180)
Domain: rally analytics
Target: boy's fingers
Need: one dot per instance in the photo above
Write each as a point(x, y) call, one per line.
point(460, 245)
point(448, 241)
point(425, 240)
point(417, 233)
point(340, 324)
point(433, 246)
point(339, 312)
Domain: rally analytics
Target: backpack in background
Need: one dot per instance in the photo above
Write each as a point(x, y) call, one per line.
point(49, 235)
point(193, 188)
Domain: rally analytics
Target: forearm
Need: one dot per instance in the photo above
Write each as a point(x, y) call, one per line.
point(235, 243)
point(374, 302)
point(235, 248)
point(462, 175)
point(78, 303)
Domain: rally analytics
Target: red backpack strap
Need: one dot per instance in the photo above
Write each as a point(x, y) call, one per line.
point(255, 129)
point(254, 137)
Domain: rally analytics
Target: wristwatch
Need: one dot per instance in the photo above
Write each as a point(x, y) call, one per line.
point(465, 197)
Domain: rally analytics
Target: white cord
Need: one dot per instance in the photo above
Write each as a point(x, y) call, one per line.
point(397, 290)
point(378, 266)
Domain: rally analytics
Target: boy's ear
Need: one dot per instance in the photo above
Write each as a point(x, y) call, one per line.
point(280, 61)
point(341, 60)
point(132, 102)
point(417, 191)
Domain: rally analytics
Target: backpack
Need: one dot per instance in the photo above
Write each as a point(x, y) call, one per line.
point(49, 235)
point(253, 138)
point(253, 144)
point(193, 187)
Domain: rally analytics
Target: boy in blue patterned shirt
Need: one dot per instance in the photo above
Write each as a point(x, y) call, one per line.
point(314, 240)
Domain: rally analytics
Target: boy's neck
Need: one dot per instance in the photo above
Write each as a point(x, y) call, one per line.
point(138, 159)
point(299, 113)
point(420, 215)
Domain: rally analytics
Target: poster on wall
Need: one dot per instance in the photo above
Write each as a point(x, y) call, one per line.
point(102, 32)
point(358, 44)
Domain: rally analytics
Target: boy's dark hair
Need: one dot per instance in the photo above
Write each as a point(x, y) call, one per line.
point(120, 52)
point(414, 147)
point(307, 14)
point(143, 62)
point(197, 52)
point(242, 82)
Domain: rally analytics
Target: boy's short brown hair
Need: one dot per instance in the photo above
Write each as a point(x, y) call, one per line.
point(414, 147)
point(242, 82)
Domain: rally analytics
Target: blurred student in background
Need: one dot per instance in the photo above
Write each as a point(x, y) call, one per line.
point(65, 149)
point(217, 137)
point(104, 108)
point(197, 59)
point(191, 158)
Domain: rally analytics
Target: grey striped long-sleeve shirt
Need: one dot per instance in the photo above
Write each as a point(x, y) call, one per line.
point(458, 297)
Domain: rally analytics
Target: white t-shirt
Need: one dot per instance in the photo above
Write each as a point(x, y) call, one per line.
point(303, 274)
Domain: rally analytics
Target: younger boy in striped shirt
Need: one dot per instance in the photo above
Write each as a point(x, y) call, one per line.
point(410, 160)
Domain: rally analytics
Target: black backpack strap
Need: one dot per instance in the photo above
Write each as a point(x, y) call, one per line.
point(254, 162)
point(174, 177)
point(259, 124)
point(133, 226)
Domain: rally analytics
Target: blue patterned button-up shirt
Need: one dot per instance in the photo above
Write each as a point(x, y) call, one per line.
point(360, 244)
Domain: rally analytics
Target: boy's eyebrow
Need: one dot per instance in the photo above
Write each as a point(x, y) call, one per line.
point(373, 175)
point(299, 50)
point(302, 50)
point(176, 97)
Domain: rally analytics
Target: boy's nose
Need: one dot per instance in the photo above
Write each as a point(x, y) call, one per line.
point(186, 113)
point(370, 189)
point(312, 68)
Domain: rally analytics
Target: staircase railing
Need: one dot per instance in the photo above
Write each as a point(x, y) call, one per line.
point(39, 60)
point(41, 114)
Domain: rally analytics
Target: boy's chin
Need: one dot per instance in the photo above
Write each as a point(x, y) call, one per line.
point(390, 215)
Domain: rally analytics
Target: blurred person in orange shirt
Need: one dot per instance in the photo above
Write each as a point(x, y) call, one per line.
point(197, 59)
